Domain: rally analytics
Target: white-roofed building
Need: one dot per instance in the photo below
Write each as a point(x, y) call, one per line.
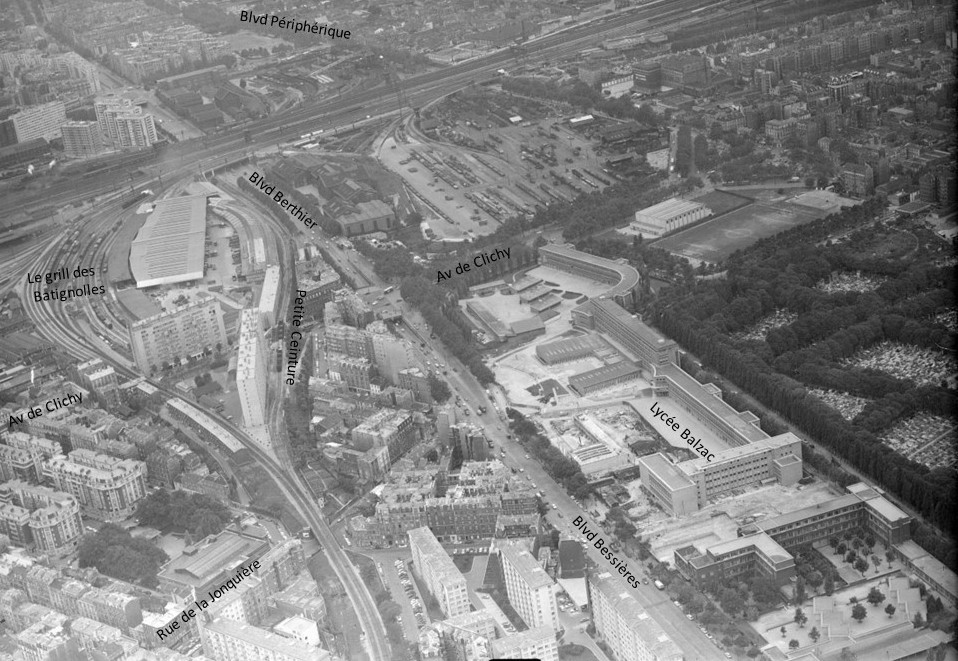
point(269, 297)
point(251, 376)
point(530, 589)
point(668, 216)
point(536, 643)
point(625, 626)
point(437, 570)
point(169, 248)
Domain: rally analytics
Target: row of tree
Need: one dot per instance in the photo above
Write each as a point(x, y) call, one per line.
point(562, 469)
point(780, 272)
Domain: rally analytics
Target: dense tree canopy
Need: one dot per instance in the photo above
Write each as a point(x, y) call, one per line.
point(782, 273)
point(114, 552)
point(183, 511)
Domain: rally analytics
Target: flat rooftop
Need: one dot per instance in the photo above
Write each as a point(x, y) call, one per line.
point(170, 246)
point(628, 276)
point(666, 471)
point(719, 407)
point(671, 208)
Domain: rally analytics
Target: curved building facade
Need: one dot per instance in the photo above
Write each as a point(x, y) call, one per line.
point(623, 278)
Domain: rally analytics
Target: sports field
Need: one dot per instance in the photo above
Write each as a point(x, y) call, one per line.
point(715, 240)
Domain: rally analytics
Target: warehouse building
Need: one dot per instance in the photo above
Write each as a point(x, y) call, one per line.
point(169, 248)
point(668, 216)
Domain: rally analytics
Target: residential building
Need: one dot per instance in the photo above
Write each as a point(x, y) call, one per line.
point(20, 464)
point(416, 381)
point(390, 354)
point(437, 570)
point(470, 507)
point(624, 625)
point(471, 441)
point(536, 643)
point(251, 373)
point(859, 180)
point(52, 517)
point(81, 139)
point(530, 589)
point(101, 379)
point(40, 121)
point(107, 488)
point(389, 428)
point(226, 640)
point(173, 337)
point(269, 297)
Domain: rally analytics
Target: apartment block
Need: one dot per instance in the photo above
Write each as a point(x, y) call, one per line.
point(123, 121)
point(468, 509)
point(81, 139)
point(251, 373)
point(107, 488)
point(225, 640)
point(390, 355)
point(530, 589)
point(415, 381)
point(41, 121)
point(438, 572)
point(101, 379)
point(536, 643)
point(20, 464)
point(389, 428)
point(269, 297)
point(39, 517)
point(191, 331)
point(625, 626)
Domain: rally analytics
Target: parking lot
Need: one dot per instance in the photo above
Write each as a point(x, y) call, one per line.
point(404, 592)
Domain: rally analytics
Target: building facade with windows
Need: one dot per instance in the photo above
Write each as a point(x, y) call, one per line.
point(439, 573)
point(530, 589)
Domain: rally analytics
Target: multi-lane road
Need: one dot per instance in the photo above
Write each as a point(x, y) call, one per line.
point(78, 335)
point(198, 154)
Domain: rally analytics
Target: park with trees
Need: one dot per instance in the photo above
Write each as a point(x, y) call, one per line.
point(814, 350)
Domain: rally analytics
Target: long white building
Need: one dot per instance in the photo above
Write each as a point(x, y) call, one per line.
point(625, 626)
point(668, 216)
point(175, 336)
point(251, 376)
point(269, 296)
point(438, 572)
point(536, 643)
point(530, 589)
